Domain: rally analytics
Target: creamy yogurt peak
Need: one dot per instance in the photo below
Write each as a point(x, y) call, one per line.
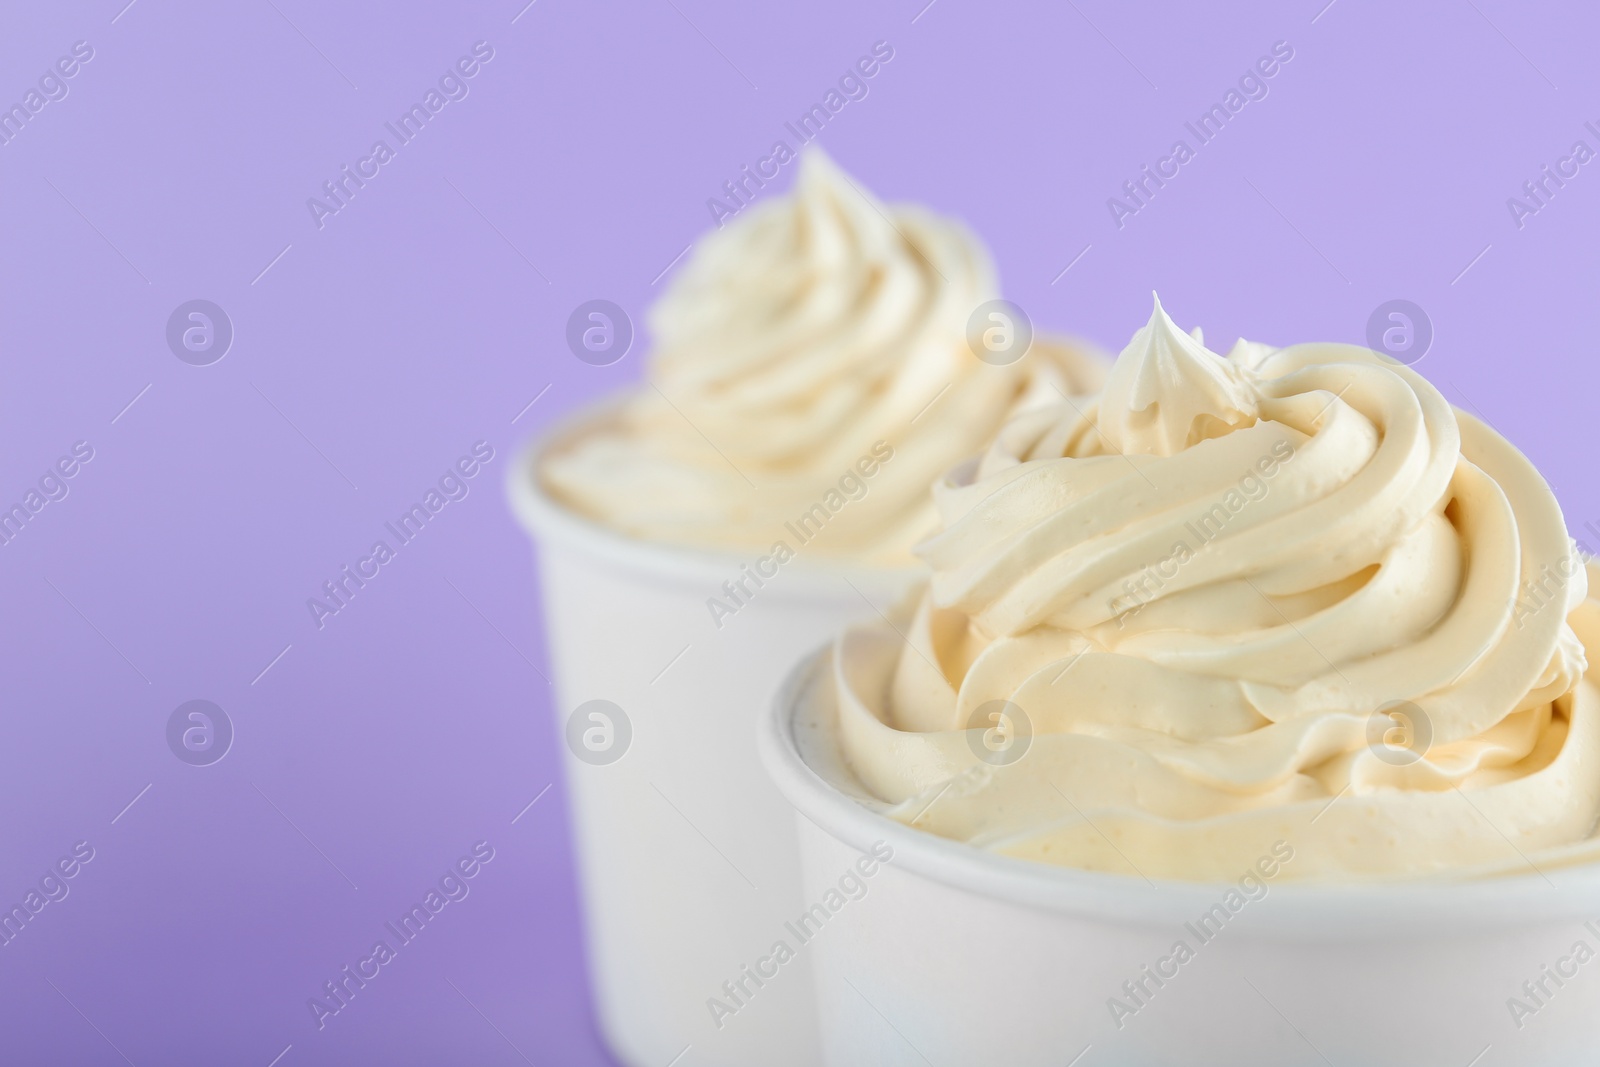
point(1167, 392)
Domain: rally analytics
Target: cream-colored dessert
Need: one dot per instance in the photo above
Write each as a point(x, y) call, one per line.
point(1287, 595)
point(812, 353)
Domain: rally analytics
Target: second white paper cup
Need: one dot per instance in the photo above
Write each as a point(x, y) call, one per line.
point(947, 954)
point(687, 854)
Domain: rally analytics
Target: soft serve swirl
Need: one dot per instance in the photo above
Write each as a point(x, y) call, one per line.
point(1200, 590)
point(814, 326)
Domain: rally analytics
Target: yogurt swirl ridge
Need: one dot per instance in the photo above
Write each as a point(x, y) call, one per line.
point(1290, 594)
point(810, 328)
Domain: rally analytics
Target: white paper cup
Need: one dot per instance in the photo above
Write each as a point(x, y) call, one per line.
point(687, 854)
point(955, 956)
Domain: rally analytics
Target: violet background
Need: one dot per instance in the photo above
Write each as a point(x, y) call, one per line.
point(411, 325)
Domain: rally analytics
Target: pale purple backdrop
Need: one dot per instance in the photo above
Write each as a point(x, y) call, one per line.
point(427, 313)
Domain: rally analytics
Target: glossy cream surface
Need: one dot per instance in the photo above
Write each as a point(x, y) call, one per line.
point(1287, 594)
point(816, 328)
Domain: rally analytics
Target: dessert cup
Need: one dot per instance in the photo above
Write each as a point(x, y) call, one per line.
point(686, 854)
point(813, 366)
point(952, 955)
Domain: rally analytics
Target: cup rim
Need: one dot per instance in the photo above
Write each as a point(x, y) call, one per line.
point(1305, 910)
point(543, 515)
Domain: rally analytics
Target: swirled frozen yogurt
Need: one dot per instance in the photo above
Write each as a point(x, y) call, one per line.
point(812, 354)
point(1289, 595)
